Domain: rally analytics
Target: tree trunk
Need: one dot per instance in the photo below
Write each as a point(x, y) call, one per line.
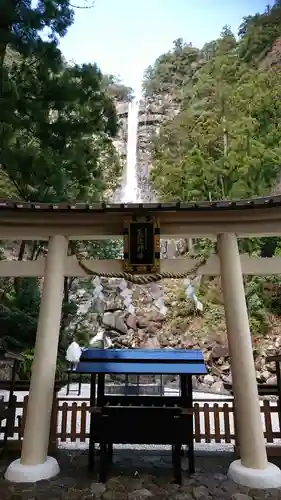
point(20, 258)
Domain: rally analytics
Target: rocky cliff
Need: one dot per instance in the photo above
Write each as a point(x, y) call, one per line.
point(182, 327)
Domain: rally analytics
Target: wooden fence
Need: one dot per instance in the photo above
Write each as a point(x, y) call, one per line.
point(214, 422)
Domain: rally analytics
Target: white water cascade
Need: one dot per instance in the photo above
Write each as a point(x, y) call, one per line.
point(130, 192)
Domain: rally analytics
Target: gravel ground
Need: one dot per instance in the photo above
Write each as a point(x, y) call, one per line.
point(139, 472)
point(136, 476)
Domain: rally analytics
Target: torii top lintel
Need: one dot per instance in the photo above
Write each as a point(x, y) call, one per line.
point(248, 217)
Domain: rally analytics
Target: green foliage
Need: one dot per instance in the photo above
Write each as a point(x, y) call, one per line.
point(172, 72)
point(57, 142)
point(105, 249)
point(25, 366)
point(225, 141)
point(256, 305)
point(19, 313)
point(116, 89)
point(58, 122)
point(221, 139)
point(258, 32)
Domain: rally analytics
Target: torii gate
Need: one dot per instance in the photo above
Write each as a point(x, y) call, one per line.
point(223, 220)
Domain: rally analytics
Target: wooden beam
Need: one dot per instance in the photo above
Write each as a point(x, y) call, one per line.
point(177, 230)
point(250, 266)
point(35, 225)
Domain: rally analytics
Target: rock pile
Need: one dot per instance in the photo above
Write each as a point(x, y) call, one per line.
point(180, 329)
point(149, 332)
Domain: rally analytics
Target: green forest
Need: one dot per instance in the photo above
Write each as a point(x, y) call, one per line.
point(58, 123)
point(224, 138)
point(221, 138)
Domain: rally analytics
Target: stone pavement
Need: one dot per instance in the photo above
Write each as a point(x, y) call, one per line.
point(136, 475)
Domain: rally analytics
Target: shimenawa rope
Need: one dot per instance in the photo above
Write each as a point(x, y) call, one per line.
point(145, 279)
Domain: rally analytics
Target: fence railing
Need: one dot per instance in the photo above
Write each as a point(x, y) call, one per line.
point(214, 422)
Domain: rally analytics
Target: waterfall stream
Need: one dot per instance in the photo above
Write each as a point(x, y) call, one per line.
point(130, 192)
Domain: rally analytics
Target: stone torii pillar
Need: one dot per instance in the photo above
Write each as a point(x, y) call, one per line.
point(253, 469)
point(34, 464)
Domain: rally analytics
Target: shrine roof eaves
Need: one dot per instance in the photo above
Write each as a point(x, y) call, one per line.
point(196, 206)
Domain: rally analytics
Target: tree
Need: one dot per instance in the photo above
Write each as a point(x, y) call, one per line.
point(116, 89)
point(60, 128)
point(257, 33)
point(22, 24)
point(57, 127)
point(225, 141)
point(172, 72)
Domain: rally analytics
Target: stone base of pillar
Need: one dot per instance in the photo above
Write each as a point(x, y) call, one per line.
point(255, 478)
point(19, 473)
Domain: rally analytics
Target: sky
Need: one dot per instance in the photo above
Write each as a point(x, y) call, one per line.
point(124, 37)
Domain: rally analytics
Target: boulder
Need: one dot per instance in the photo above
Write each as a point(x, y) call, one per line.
point(97, 489)
point(120, 324)
point(132, 321)
point(152, 343)
point(140, 494)
point(208, 379)
point(115, 321)
point(142, 322)
point(109, 319)
point(219, 351)
point(218, 387)
point(265, 375)
point(225, 367)
point(272, 380)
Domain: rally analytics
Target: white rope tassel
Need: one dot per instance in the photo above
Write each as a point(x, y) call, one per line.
point(158, 296)
point(98, 291)
point(126, 295)
point(190, 294)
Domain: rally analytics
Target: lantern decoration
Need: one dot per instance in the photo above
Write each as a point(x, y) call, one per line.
point(190, 294)
point(126, 295)
point(158, 296)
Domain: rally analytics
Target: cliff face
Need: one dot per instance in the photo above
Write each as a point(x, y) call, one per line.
point(150, 118)
point(273, 57)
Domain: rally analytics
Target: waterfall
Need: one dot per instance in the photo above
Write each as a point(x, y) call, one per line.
point(130, 190)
